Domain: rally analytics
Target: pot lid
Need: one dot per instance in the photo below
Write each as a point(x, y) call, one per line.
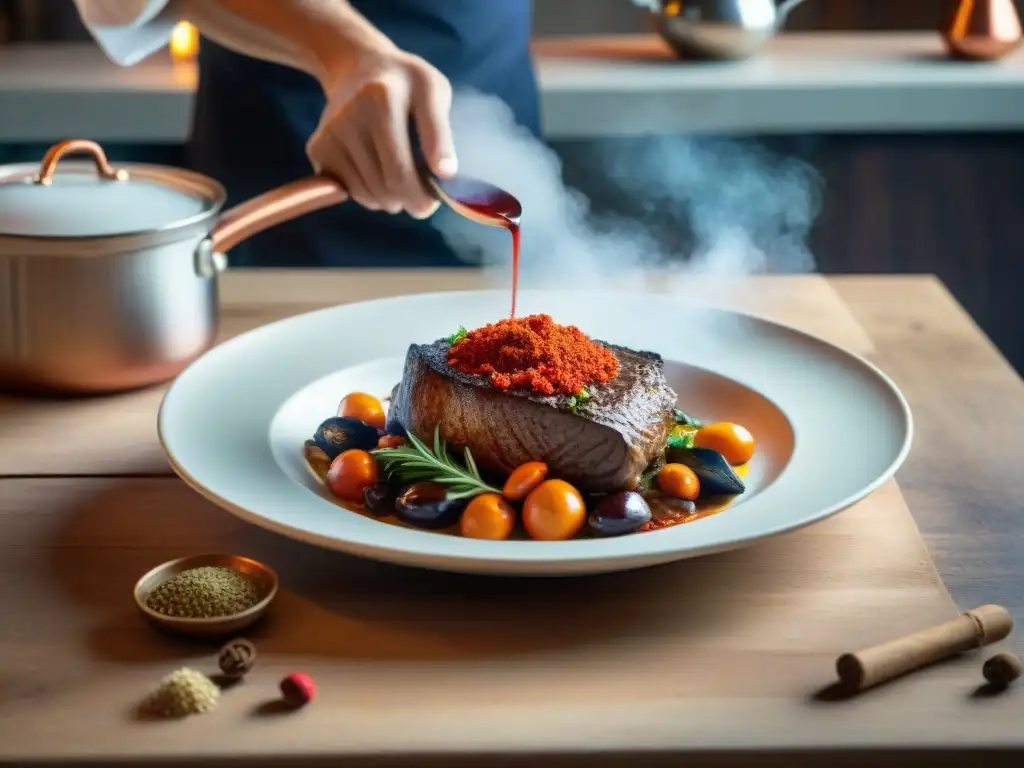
point(92, 199)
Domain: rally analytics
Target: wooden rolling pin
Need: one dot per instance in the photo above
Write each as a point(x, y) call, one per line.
point(973, 629)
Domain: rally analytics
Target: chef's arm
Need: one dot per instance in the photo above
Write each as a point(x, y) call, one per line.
point(372, 88)
point(321, 37)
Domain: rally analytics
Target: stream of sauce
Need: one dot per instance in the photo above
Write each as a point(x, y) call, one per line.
point(493, 206)
point(515, 266)
point(496, 210)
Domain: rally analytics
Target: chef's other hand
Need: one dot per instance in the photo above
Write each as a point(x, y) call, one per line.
point(363, 136)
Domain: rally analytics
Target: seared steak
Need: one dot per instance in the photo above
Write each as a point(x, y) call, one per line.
point(605, 447)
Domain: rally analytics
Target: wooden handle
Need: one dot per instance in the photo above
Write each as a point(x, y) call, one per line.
point(880, 663)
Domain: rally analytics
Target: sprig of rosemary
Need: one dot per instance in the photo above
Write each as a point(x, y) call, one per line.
point(459, 335)
point(576, 402)
point(416, 462)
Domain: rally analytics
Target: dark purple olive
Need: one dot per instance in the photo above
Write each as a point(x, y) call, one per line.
point(426, 505)
point(422, 493)
point(341, 433)
point(380, 499)
point(619, 513)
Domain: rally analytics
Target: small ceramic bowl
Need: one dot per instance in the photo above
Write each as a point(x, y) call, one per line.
point(264, 578)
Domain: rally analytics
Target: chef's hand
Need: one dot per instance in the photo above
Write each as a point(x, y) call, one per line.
point(363, 136)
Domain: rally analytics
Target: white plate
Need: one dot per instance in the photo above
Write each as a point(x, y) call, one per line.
point(830, 427)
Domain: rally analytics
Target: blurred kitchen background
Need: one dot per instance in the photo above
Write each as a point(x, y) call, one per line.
point(36, 20)
point(943, 200)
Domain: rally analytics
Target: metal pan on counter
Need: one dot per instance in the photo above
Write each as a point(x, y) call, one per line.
point(108, 276)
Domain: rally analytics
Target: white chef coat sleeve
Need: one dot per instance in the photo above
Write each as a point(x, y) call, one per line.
point(129, 30)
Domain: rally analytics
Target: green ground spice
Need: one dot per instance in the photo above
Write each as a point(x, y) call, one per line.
point(183, 692)
point(204, 593)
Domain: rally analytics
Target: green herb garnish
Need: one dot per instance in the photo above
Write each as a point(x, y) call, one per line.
point(416, 462)
point(680, 440)
point(459, 335)
point(647, 478)
point(577, 401)
point(686, 419)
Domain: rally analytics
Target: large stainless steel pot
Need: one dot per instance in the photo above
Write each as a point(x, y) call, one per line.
point(108, 276)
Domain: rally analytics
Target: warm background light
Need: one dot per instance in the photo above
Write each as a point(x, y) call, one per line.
point(184, 41)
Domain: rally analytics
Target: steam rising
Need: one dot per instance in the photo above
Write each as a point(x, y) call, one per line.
point(696, 206)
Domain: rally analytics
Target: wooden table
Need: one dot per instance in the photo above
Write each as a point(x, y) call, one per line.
point(962, 480)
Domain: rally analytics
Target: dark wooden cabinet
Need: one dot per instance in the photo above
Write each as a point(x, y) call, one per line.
point(945, 204)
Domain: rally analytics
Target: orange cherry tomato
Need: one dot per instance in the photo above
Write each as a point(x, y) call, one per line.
point(524, 479)
point(734, 442)
point(351, 472)
point(554, 511)
point(391, 441)
point(363, 406)
point(680, 481)
point(487, 516)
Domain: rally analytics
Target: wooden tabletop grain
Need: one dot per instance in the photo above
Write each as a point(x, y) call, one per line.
point(962, 480)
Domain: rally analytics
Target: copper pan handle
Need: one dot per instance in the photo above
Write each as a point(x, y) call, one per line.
point(279, 205)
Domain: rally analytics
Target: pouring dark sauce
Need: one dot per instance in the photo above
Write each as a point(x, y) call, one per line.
point(490, 205)
point(475, 199)
point(486, 204)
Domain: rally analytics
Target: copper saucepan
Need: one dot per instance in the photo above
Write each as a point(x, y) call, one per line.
point(108, 276)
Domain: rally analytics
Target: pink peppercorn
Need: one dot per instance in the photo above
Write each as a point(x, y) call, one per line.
point(298, 689)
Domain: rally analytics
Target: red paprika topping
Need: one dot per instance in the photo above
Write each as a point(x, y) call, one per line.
point(534, 353)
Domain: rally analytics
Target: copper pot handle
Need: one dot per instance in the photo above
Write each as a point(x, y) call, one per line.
point(55, 154)
point(281, 204)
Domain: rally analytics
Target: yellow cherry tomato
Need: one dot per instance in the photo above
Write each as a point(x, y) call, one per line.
point(680, 481)
point(554, 511)
point(734, 442)
point(351, 472)
point(524, 479)
point(487, 516)
point(363, 406)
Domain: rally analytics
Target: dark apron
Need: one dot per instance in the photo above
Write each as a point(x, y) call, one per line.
point(252, 120)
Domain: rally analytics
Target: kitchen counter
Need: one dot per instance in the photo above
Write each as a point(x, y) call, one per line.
point(592, 87)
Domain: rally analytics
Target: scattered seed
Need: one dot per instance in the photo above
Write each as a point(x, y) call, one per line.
point(182, 693)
